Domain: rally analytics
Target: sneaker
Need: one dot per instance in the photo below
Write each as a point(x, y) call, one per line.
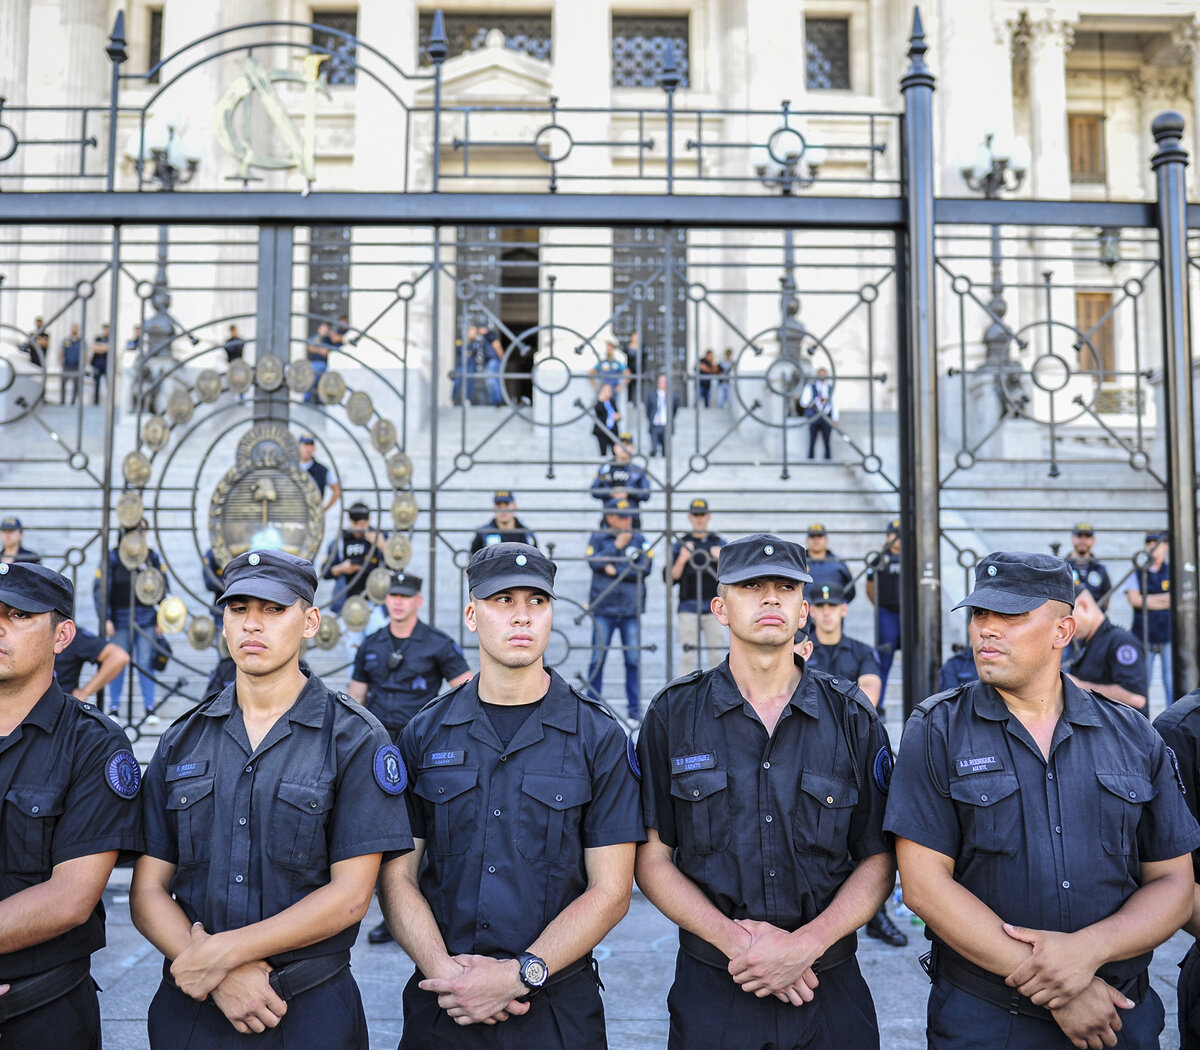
point(379, 934)
point(151, 719)
point(883, 929)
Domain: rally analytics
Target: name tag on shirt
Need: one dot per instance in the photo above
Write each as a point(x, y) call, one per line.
point(187, 769)
point(690, 763)
point(433, 759)
point(981, 764)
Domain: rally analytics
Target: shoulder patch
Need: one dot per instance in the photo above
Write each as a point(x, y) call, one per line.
point(881, 769)
point(390, 773)
point(1127, 655)
point(631, 754)
point(122, 774)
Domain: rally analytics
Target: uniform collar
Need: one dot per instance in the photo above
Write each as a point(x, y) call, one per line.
point(1079, 706)
point(48, 710)
point(309, 708)
point(559, 707)
point(727, 696)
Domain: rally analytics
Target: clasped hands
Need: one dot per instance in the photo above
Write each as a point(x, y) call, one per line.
point(242, 992)
point(775, 962)
point(477, 989)
point(1060, 974)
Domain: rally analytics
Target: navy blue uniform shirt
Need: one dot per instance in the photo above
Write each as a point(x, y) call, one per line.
point(698, 584)
point(833, 571)
point(489, 532)
point(85, 648)
point(1112, 656)
point(1052, 844)
point(849, 658)
point(69, 785)
point(1157, 629)
point(769, 827)
point(1093, 575)
point(885, 571)
point(1179, 726)
point(625, 593)
point(394, 695)
point(252, 831)
point(958, 670)
point(505, 827)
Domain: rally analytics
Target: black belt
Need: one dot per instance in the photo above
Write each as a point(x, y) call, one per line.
point(700, 950)
point(28, 993)
point(305, 974)
point(941, 961)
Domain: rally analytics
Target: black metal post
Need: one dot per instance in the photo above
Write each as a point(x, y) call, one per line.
point(1170, 164)
point(920, 537)
point(274, 331)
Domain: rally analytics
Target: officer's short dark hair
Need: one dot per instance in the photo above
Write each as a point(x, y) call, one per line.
point(56, 618)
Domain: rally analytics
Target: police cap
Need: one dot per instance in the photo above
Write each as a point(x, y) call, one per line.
point(762, 554)
point(503, 566)
point(827, 594)
point(405, 583)
point(817, 530)
point(33, 588)
point(1015, 582)
point(10, 524)
point(1082, 528)
point(358, 512)
point(698, 506)
point(503, 496)
point(622, 507)
point(273, 576)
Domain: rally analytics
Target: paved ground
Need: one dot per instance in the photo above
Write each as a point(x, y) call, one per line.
point(636, 963)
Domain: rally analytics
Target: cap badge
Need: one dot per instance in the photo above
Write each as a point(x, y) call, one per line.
point(521, 559)
point(254, 559)
point(768, 549)
point(991, 570)
point(3, 568)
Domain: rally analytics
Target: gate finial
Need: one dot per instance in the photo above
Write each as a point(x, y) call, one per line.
point(116, 42)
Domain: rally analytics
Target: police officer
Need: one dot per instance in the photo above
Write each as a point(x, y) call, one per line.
point(1041, 835)
point(1150, 598)
point(620, 558)
point(764, 786)
point(87, 648)
point(69, 783)
point(694, 568)
point(621, 478)
point(505, 526)
point(826, 567)
point(835, 652)
point(1090, 569)
point(267, 808)
point(352, 555)
point(12, 542)
point(525, 815)
point(883, 591)
point(1179, 726)
point(1109, 659)
point(958, 670)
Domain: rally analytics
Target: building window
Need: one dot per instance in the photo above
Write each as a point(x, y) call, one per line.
point(328, 275)
point(154, 52)
point(638, 45)
point(341, 67)
point(467, 32)
point(1090, 307)
point(639, 256)
point(827, 53)
point(1085, 135)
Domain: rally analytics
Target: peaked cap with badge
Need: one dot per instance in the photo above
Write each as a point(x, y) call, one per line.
point(1014, 582)
point(503, 566)
point(762, 554)
point(270, 575)
point(405, 583)
point(33, 588)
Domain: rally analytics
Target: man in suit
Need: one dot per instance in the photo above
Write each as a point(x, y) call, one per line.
point(660, 414)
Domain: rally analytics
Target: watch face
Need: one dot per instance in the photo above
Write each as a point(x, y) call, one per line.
point(535, 973)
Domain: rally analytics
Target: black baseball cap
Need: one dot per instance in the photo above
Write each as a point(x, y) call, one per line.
point(273, 576)
point(801, 637)
point(893, 527)
point(625, 437)
point(698, 506)
point(405, 583)
point(9, 524)
point(762, 554)
point(1155, 536)
point(34, 588)
point(307, 439)
point(503, 566)
point(621, 507)
point(503, 496)
point(817, 530)
point(1015, 582)
point(827, 594)
point(358, 512)
point(1083, 528)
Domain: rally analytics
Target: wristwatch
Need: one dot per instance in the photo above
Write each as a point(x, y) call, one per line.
point(534, 972)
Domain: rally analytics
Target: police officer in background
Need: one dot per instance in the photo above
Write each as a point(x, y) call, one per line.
point(767, 883)
point(1041, 835)
point(1179, 726)
point(87, 648)
point(621, 478)
point(267, 809)
point(12, 542)
point(1109, 659)
point(883, 591)
point(694, 568)
point(525, 816)
point(401, 667)
point(826, 567)
point(835, 652)
point(1090, 569)
point(69, 783)
point(958, 670)
point(352, 555)
point(505, 526)
point(1150, 598)
point(322, 476)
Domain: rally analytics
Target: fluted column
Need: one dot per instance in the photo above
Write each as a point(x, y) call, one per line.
point(1187, 37)
point(1050, 37)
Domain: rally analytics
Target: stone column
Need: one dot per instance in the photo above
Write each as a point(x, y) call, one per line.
point(1050, 37)
point(1187, 38)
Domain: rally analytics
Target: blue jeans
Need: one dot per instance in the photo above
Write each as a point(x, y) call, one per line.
point(1166, 667)
point(320, 367)
point(603, 628)
point(138, 642)
point(887, 641)
point(464, 383)
point(495, 393)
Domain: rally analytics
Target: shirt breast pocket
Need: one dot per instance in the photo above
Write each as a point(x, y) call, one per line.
point(989, 812)
point(191, 802)
point(1122, 796)
point(454, 803)
point(297, 835)
point(705, 823)
point(823, 811)
point(551, 806)
point(30, 817)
